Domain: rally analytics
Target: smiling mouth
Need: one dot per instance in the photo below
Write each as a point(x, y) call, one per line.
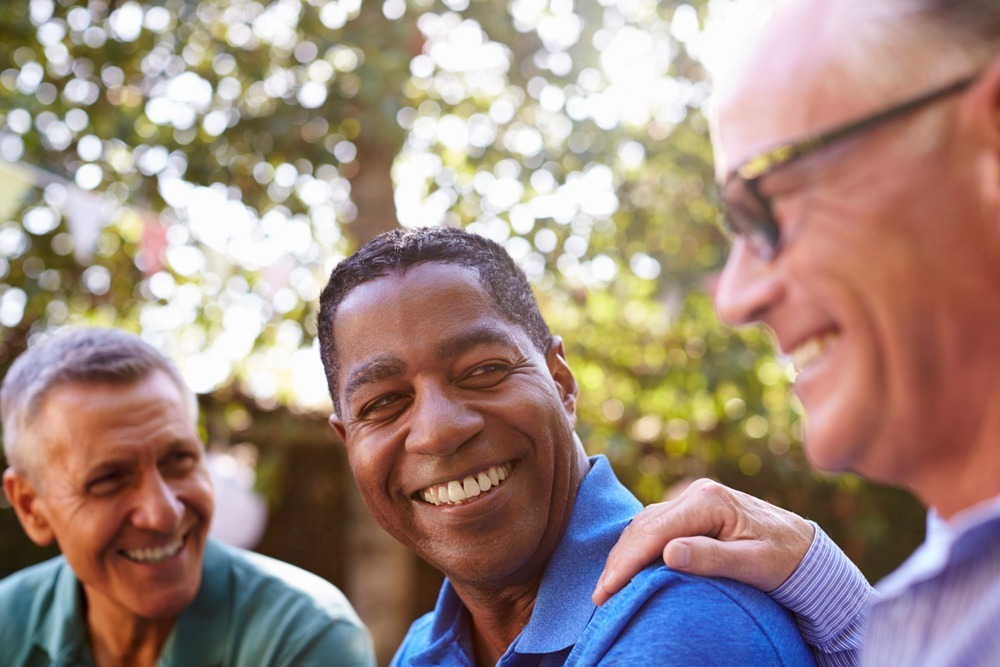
point(463, 490)
point(154, 554)
point(812, 349)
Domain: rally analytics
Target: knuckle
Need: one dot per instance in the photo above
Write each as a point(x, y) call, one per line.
point(711, 489)
point(645, 519)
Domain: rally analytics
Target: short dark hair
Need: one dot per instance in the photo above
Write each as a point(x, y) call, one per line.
point(399, 250)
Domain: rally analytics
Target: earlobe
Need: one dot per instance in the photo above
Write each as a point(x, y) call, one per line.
point(988, 99)
point(561, 373)
point(28, 506)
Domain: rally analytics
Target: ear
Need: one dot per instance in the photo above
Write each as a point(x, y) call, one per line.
point(556, 361)
point(29, 507)
point(338, 425)
point(991, 91)
point(984, 115)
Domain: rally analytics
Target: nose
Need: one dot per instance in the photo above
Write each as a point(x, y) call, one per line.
point(747, 287)
point(157, 505)
point(441, 421)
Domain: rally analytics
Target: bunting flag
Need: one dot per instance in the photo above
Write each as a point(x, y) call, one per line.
point(86, 217)
point(153, 245)
point(15, 182)
point(87, 214)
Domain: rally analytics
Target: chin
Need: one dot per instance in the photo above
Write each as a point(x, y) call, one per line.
point(828, 452)
point(167, 607)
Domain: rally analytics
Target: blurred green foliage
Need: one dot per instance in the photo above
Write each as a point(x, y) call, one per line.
point(224, 147)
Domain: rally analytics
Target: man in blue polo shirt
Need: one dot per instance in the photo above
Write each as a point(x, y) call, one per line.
point(457, 409)
point(105, 460)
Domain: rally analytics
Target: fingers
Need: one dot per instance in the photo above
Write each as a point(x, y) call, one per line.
point(710, 530)
point(644, 539)
point(708, 557)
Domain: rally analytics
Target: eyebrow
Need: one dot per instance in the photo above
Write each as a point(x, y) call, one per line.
point(484, 334)
point(381, 367)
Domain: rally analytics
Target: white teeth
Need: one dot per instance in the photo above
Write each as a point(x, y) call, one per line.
point(154, 554)
point(456, 491)
point(811, 350)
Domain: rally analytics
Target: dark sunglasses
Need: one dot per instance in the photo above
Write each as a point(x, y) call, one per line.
point(747, 211)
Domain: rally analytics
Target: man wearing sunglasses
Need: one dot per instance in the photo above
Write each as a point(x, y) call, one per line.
point(858, 149)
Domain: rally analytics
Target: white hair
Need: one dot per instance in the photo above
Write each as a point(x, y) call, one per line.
point(889, 49)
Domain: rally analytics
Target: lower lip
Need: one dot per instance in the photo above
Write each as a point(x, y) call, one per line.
point(815, 367)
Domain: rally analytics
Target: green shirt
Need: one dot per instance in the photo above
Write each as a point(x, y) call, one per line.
point(250, 610)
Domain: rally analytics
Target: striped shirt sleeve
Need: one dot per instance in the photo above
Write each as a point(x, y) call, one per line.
point(831, 600)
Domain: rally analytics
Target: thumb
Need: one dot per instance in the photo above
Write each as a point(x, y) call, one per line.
point(708, 557)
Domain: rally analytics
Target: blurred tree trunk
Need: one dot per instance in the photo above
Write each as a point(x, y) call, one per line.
point(380, 570)
point(372, 193)
point(380, 578)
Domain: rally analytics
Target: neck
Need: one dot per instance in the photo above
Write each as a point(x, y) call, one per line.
point(967, 473)
point(120, 638)
point(497, 618)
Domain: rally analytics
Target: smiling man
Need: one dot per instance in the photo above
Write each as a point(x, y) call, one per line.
point(457, 408)
point(99, 429)
point(857, 146)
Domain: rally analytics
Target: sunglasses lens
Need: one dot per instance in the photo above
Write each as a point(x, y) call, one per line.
point(745, 215)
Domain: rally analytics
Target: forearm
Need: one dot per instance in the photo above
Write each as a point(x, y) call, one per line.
point(830, 599)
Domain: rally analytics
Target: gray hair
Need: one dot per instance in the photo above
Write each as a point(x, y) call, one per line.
point(934, 41)
point(889, 49)
point(85, 355)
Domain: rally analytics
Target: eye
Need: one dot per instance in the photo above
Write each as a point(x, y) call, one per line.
point(486, 375)
point(385, 405)
point(179, 462)
point(107, 483)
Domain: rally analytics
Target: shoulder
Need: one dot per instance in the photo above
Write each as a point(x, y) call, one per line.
point(24, 593)
point(303, 615)
point(30, 579)
point(699, 618)
point(266, 577)
point(26, 599)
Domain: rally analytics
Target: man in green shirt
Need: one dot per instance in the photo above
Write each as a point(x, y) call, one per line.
point(105, 460)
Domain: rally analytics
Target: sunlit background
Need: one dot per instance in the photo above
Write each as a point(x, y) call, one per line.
point(192, 170)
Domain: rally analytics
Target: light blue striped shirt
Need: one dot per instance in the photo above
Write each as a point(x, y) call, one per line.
point(941, 607)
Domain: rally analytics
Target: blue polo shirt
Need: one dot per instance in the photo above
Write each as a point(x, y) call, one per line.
point(249, 610)
point(661, 617)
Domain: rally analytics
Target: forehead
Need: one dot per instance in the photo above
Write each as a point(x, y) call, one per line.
point(411, 311)
point(93, 419)
point(791, 82)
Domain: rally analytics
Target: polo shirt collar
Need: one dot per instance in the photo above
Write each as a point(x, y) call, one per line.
point(195, 637)
point(61, 632)
point(563, 607)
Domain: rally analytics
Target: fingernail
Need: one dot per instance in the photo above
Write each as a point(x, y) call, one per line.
point(680, 555)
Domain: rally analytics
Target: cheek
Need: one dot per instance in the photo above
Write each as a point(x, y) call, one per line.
point(200, 493)
point(372, 465)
